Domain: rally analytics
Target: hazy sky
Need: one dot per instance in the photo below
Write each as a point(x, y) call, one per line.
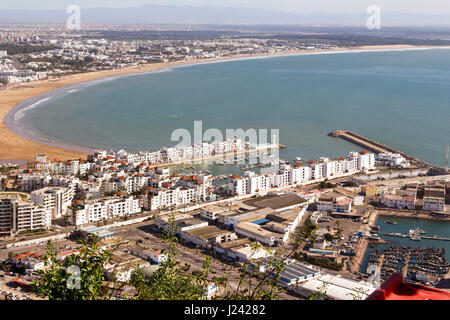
point(297, 6)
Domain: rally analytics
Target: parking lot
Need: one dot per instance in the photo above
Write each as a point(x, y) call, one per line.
point(9, 291)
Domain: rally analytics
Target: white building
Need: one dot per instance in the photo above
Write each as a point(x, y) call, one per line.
point(399, 201)
point(173, 197)
point(255, 232)
point(286, 176)
point(53, 198)
point(183, 222)
point(434, 199)
point(156, 256)
point(123, 207)
point(17, 216)
point(336, 287)
point(335, 203)
point(392, 160)
point(102, 210)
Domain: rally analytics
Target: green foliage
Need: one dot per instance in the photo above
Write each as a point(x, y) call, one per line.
point(326, 185)
point(333, 265)
point(359, 293)
point(307, 229)
point(320, 294)
point(256, 283)
point(350, 184)
point(13, 49)
point(328, 237)
point(172, 281)
point(56, 278)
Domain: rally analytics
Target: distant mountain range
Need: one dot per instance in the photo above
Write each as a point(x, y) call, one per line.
point(160, 14)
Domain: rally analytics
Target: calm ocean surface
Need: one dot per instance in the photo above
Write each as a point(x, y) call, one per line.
point(400, 98)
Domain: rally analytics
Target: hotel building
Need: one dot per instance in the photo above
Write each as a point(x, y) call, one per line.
point(17, 216)
point(53, 198)
point(102, 210)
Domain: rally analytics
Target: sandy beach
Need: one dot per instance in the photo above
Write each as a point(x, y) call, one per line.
point(14, 146)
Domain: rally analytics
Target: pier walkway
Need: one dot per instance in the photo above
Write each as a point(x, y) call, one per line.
point(378, 147)
point(421, 236)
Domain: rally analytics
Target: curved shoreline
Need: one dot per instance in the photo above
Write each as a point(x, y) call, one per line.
point(72, 82)
point(12, 124)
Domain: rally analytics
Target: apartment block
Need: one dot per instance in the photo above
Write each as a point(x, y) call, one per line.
point(54, 198)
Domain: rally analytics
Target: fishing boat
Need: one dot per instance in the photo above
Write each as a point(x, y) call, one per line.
point(391, 222)
point(375, 237)
point(414, 234)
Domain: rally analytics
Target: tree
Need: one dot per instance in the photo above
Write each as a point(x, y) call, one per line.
point(337, 224)
point(80, 277)
point(172, 282)
point(308, 229)
point(359, 293)
point(328, 237)
point(320, 294)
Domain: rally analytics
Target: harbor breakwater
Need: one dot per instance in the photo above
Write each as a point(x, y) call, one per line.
point(378, 147)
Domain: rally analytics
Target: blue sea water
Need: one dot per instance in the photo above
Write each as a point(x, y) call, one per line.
point(400, 98)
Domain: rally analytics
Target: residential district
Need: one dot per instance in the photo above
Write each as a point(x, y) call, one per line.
point(43, 52)
point(131, 198)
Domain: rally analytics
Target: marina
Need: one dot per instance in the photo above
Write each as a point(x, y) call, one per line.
point(420, 263)
point(435, 234)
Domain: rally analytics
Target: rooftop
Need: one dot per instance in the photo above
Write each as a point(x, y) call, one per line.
point(254, 228)
point(339, 288)
point(207, 232)
point(276, 202)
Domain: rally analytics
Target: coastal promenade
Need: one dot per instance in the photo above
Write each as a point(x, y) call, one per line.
point(378, 147)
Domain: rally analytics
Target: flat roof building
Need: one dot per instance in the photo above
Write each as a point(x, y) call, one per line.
point(255, 232)
point(336, 287)
point(278, 202)
point(17, 216)
point(207, 236)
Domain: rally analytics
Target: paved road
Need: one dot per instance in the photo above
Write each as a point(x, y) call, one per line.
point(403, 181)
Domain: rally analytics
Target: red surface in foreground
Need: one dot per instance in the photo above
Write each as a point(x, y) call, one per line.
point(395, 289)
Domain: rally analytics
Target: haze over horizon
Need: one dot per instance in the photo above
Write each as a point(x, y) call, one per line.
point(348, 12)
point(291, 6)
